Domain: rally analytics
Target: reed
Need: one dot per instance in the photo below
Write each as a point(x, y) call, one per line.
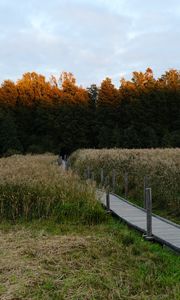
point(34, 187)
point(161, 166)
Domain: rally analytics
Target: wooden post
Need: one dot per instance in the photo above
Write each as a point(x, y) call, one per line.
point(107, 200)
point(145, 186)
point(92, 175)
point(113, 180)
point(106, 182)
point(102, 176)
point(126, 184)
point(149, 213)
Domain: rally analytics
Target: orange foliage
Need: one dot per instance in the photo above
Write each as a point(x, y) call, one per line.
point(70, 91)
point(108, 94)
point(33, 88)
point(8, 93)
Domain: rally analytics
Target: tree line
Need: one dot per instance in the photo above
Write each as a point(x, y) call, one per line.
point(39, 115)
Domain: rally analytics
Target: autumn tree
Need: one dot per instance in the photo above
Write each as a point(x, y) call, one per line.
point(8, 93)
point(39, 115)
point(106, 112)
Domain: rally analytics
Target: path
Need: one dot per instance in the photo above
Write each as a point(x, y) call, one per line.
point(164, 231)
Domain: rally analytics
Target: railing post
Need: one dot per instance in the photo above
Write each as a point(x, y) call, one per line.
point(106, 182)
point(102, 176)
point(113, 180)
point(145, 186)
point(149, 214)
point(107, 200)
point(107, 193)
point(126, 184)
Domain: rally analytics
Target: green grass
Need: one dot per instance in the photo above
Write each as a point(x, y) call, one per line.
point(46, 260)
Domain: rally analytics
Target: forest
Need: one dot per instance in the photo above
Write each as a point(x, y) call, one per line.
point(39, 115)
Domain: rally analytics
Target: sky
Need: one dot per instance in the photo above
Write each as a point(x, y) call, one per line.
point(93, 39)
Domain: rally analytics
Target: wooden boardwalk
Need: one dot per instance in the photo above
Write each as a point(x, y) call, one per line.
point(164, 231)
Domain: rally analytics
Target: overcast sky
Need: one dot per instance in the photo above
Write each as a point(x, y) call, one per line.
point(92, 39)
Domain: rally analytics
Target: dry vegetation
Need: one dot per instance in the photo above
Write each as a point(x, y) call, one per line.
point(36, 187)
point(162, 166)
point(52, 262)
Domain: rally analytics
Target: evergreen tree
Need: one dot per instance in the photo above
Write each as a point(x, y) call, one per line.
point(9, 141)
point(107, 112)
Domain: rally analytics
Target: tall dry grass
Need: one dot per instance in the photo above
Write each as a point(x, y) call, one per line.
point(162, 166)
point(36, 187)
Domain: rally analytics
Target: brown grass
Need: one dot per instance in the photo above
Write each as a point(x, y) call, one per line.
point(29, 262)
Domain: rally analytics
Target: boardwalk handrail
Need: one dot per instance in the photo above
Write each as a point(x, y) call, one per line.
point(143, 209)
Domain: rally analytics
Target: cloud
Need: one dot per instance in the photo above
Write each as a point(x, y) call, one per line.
point(92, 39)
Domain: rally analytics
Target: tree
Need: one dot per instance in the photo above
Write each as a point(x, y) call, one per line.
point(33, 88)
point(8, 93)
point(39, 115)
point(8, 134)
point(107, 112)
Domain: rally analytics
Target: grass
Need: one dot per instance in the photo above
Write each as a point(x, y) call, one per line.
point(46, 260)
point(57, 242)
point(33, 187)
point(161, 166)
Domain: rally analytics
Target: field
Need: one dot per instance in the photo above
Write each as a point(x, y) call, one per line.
point(56, 241)
point(33, 187)
point(160, 166)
